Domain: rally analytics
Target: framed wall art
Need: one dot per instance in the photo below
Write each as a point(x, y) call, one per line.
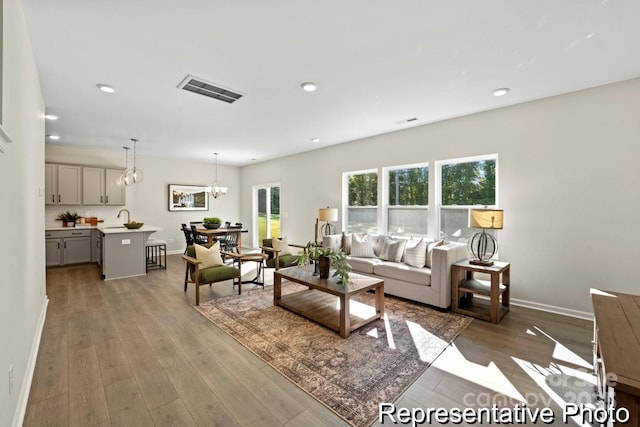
point(188, 197)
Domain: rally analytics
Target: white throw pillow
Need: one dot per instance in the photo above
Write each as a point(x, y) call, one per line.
point(281, 245)
point(415, 253)
point(210, 257)
point(362, 246)
point(392, 249)
point(430, 251)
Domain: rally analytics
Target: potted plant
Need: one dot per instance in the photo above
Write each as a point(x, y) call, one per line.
point(68, 217)
point(323, 258)
point(211, 222)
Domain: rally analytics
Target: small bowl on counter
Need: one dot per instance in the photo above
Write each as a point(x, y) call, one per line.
point(132, 225)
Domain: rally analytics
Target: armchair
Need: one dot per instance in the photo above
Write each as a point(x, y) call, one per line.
point(276, 259)
point(202, 276)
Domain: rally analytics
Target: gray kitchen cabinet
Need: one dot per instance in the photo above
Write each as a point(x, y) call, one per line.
point(92, 186)
point(67, 247)
point(63, 184)
point(100, 186)
point(114, 192)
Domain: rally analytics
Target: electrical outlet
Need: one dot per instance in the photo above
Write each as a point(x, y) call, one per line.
point(10, 378)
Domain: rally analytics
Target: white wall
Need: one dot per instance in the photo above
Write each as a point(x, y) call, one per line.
point(22, 271)
point(148, 201)
point(568, 172)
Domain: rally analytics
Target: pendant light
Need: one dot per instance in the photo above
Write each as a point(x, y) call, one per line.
point(217, 191)
point(136, 174)
point(125, 178)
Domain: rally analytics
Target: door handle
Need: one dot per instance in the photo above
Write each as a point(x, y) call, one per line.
point(107, 199)
point(59, 198)
point(53, 198)
point(101, 199)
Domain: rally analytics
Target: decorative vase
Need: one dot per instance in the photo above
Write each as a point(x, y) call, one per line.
point(212, 226)
point(324, 263)
point(64, 223)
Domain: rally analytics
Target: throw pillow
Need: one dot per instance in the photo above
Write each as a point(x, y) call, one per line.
point(333, 241)
point(282, 245)
point(362, 246)
point(430, 251)
point(392, 249)
point(210, 257)
point(415, 253)
point(346, 242)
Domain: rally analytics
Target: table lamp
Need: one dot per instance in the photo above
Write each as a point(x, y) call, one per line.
point(482, 246)
point(326, 215)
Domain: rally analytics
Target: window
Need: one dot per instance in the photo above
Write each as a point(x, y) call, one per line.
point(266, 212)
point(408, 200)
point(465, 183)
point(362, 201)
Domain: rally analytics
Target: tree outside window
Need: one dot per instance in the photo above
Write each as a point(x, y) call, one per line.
point(465, 184)
point(408, 203)
point(362, 209)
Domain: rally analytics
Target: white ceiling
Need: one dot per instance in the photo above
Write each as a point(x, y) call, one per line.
point(375, 62)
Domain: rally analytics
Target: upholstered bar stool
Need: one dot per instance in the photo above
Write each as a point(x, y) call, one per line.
point(156, 254)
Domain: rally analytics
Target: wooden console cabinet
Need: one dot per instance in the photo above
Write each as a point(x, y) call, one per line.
point(616, 349)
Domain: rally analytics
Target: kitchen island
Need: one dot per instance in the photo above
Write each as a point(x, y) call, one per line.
point(123, 253)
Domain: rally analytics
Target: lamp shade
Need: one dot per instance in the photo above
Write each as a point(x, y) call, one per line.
point(486, 218)
point(328, 214)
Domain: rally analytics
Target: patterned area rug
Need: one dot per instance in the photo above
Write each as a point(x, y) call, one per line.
point(376, 363)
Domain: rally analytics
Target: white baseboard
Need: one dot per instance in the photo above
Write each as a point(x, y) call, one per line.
point(21, 409)
point(553, 309)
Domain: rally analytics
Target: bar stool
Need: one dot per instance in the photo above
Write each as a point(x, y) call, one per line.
point(155, 250)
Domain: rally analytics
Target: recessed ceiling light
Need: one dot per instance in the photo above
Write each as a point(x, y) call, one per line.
point(51, 117)
point(315, 139)
point(501, 92)
point(105, 88)
point(54, 137)
point(309, 86)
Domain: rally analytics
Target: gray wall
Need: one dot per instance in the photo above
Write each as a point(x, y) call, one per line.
point(568, 171)
point(22, 271)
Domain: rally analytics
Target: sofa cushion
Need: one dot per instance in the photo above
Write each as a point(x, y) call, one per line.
point(392, 249)
point(333, 241)
point(404, 272)
point(363, 265)
point(415, 253)
point(430, 252)
point(346, 242)
point(362, 246)
point(281, 245)
point(210, 257)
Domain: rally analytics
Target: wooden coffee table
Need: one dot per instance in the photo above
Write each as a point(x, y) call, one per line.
point(325, 301)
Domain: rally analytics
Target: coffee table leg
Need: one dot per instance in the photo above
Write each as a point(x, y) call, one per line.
point(345, 318)
point(379, 293)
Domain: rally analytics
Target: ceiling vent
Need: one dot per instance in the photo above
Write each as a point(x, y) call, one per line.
point(212, 90)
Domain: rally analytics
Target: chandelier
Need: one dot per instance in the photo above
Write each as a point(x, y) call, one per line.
point(217, 191)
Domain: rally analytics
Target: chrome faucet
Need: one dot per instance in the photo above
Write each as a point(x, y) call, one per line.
point(128, 214)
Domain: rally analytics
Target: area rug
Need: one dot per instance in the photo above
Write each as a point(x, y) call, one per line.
point(376, 363)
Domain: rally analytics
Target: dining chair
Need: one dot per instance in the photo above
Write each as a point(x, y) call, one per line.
point(198, 238)
point(188, 236)
point(230, 240)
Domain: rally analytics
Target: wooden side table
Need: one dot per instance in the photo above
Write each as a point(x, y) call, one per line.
point(463, 284)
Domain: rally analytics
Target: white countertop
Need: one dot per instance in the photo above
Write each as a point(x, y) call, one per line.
point(78, 226)
point(117, 229)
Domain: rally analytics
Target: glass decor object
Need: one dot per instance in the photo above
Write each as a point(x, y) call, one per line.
point(483, 246)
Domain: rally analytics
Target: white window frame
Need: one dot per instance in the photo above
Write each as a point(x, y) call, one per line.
point(438, 187)
point(345, 197)
point(385, 195)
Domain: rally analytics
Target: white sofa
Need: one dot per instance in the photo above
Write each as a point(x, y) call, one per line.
point(428, 285)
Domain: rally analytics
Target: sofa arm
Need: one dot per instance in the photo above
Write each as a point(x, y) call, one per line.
point(443, 257)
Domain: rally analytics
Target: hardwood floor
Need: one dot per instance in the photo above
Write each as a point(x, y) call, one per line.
point(133, 352)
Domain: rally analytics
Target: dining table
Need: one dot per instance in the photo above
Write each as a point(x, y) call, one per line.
point(211, 234)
